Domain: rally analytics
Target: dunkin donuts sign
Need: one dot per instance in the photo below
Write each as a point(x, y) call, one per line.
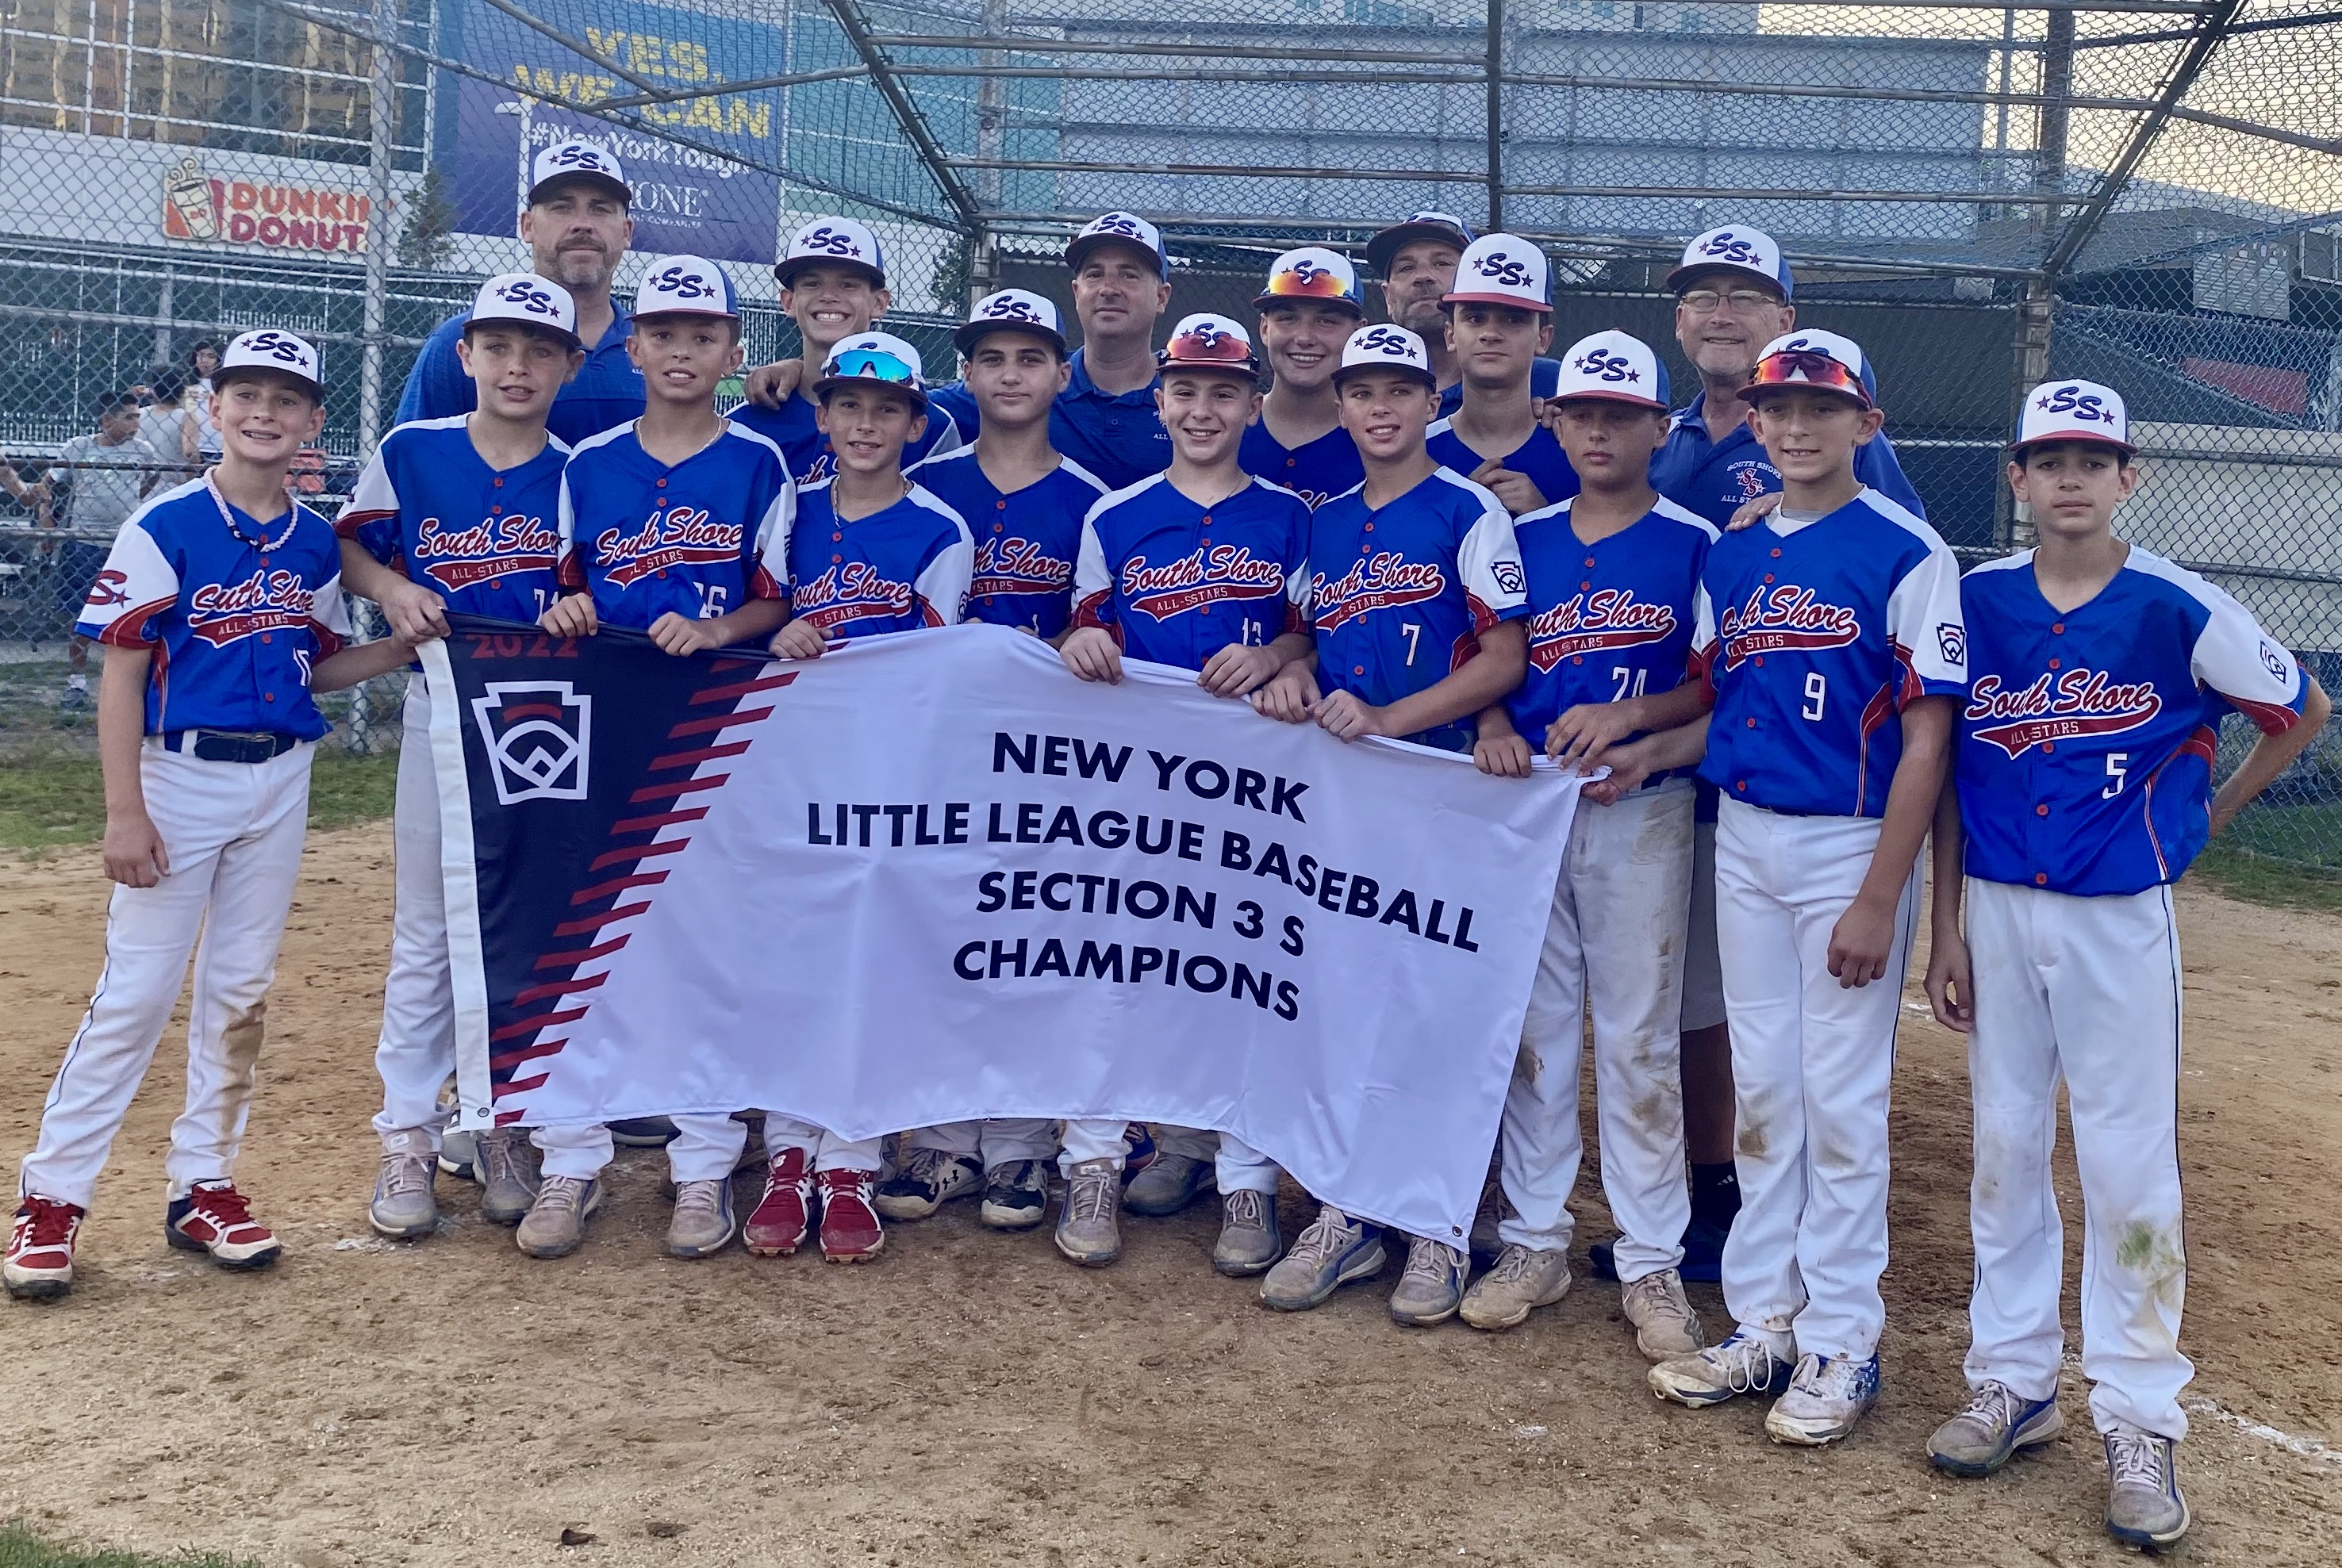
point(295, 217)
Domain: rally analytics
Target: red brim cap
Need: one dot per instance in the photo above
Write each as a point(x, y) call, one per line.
point(2018, 449)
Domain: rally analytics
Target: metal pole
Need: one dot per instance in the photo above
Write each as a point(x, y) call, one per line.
point(1495, 114)
point(991, 136)
point(382, 119)
point(2013, 530)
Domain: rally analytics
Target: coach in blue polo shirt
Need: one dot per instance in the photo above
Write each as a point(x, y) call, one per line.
point(1732, 296)
point(577, 229)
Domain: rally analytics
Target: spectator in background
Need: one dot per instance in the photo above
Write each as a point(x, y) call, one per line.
point(103, 479)
point(167, 425)
point(202, 360)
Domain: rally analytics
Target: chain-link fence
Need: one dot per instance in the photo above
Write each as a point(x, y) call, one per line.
point(2146, 192)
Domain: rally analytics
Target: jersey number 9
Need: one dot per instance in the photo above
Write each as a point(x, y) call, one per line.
point(1816, 695)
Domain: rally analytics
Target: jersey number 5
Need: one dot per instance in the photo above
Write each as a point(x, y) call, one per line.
point(2116, 767)
point(1816, 695)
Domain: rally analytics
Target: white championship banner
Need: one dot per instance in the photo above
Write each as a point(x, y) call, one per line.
point(933, 877)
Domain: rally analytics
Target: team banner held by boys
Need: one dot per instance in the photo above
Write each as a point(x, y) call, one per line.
point(933, 877)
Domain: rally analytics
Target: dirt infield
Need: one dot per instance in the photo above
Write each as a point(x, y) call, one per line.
point(973, 1399)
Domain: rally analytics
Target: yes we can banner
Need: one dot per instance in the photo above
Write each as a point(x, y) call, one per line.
point(932, 877)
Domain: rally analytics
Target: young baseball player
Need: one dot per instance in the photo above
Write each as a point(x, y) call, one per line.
point(1499, 320)
point(2097, 675)
point(870, 551)
point(1416, 605)
point(666, 525)
point(1416, 261)
point(460, 514)
point(1831, 638)
point(1024, 504)
point(236, 591)
point(1203, 567)
point(833, 279)
point(1612, 591)
point(103, 476)
point(1307, 312)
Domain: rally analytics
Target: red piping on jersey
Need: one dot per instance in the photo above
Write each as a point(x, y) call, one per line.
point(2274, 718)
point(1874, 712)
point(928, 614)
point(348, 524)
point(124, 631)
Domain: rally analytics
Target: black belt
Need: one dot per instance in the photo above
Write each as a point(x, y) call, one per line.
point(230, 745)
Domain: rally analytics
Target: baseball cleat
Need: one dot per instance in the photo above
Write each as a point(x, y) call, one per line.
point(1826, 1395)
point(40, 1248)
point(785, 1214)
point(850, 1229)
point(215, 1218)
point(703, 1223)
point(1333, 1252)
point(2144, 1507)
point(642, 1132)
point(506, 1162)
point(1432, 1286)
point(1249, 1239)
point(455, 1156)
point(1168, 1185)
point(1089, 1227)
point(1015, 1195)
point(1741, 1364)
point(1987, 1433)
point(554, 1225)
point(1523, 1280)
point(1664, 1326)
point(404, 1205)
point(929, 1178)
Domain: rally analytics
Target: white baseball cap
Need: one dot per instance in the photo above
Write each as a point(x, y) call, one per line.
point(1739, 248)
point(824, 241)
point(878, 358)
point(685, 286)
point(1206, 341)
point(1811, 357)
point(1011, 310)
point(1503, 269)
point(1615, 366)
point(1313, 273)
point(577, 159)
point(1119, 229)
point(272, 349)
point(1445, 228)
point(528, 299)
point(2073, 411)
point(1383, 347)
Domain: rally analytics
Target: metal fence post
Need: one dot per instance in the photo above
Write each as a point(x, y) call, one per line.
point(1495, 114)
point(382, 119)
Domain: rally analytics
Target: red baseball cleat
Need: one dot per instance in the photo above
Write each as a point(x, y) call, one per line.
point(785, 1214)
point(40, 1248)
point(850, 1229)
point(215, 1218)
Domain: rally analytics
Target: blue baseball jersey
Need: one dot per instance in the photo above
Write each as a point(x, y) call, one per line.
point(2085, 762)
point(484, 539)
point(793, 429)
point(1715, 478)
point(1610, 620)
point(1540, 457)
point(1176, 583)
point(646, 539)
point(1815, 637)
point(1544, 376)
point(1317, 471)
point(897, 570)
point(607, 389)
point(1116, 436)
point(1399, 596)
point(1025, 540)
point(237, 612)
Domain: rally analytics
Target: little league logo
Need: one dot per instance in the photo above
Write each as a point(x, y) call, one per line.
point(539, 738)
point(2076, 705)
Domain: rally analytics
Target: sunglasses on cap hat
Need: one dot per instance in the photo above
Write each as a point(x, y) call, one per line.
point(1203, 343)
point(1311, 273)
point(871, 364)
point(1805, 367)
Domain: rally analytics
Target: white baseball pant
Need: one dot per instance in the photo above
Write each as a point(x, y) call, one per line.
point(416, 1051)
point(2086, 990)
point(1092, 1138)
point(1238, 1167)
point(1703, 973)
point(826, 1150)
point(1615, 941)
point(704, 1149)
point(996, 1140)
point(232, 833)
point(1811, 1063)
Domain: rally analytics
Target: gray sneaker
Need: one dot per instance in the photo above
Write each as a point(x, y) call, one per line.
point(1249, 1240)
point(1089, 1227)
point(703, 1225)
point(2145, 1506)
point(507, 1162)
point(1987, 1434)
point(457, 1154)
point(404, 1205)
point(1167, 1185)
point(1523, 1279)
point(554, 1225)
point(1333, 1252)
point(1664, 1326)
point(1432, 1288)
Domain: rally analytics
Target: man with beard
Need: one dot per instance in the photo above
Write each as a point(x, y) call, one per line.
point(578, 228)
point(1418, 261)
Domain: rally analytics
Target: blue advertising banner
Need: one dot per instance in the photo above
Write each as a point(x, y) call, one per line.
point(684, 200)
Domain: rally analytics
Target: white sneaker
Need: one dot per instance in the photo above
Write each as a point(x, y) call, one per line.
point(404, 1205)
point(2144, 1507)
point(1741, 1364)
point(1827, 1394)
point(1664, 1326)
point(1524, 1279)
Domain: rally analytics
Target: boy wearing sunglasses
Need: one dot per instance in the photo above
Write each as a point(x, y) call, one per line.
point(1203, 567)
point(1831, 636)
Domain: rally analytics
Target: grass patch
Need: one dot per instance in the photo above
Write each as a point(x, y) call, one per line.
point(20, 1548)
point(52, 796)
point(2255, 879)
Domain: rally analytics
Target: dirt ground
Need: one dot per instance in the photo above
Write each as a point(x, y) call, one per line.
point(973, 1399)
